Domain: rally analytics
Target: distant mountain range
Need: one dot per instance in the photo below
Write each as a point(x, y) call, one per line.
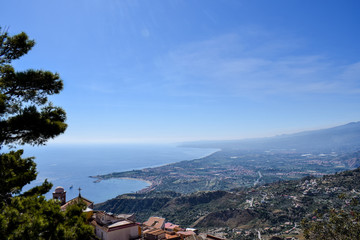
point(341, 138)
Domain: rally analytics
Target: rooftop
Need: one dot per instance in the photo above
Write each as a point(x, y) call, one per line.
point(88, 203)
point(155, 222)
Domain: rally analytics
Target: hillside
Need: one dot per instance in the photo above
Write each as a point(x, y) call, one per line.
point(341, 138)
point(271, 208)
point(264, 186)
point(228, 169)
point(259, 161)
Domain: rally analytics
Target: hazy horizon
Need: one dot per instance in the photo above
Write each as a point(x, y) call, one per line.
point(168, 142)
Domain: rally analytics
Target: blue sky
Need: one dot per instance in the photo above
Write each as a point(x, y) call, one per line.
point(170, 71)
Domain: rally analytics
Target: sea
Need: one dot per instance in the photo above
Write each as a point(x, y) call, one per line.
point(70, 165)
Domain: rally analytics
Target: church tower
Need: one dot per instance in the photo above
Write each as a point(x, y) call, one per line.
point(60, 194)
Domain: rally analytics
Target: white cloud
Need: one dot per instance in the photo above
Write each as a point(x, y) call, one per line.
point(351, 72)
point(231, 65)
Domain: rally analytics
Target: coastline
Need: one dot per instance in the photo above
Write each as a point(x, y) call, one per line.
point(152, 183)
point(143, 190)
point(138, 179)
point(86, 160)
point(99, 179)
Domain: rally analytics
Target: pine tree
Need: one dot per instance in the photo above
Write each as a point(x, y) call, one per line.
point(27, 117)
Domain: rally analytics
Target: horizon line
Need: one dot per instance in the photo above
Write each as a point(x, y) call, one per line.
point(164, 140)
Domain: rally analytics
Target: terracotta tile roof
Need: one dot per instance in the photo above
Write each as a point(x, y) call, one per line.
point(155, 222)
point(172, 236)
point(186, 233)
point(176, 229)
point(170, 226)
point(87, 202)
point(156, 232)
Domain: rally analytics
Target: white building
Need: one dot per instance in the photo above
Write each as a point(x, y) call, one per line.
point(110, 227)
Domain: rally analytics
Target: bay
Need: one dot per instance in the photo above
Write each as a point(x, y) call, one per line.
point(70, 166)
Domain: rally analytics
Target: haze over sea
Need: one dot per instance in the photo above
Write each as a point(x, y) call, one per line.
point(71, 165)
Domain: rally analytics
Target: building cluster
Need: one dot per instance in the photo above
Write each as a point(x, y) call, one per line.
point(108, 226)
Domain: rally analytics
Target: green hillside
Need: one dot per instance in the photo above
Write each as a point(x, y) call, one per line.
point(263, 186)
point(275, 208)
point(228, 169)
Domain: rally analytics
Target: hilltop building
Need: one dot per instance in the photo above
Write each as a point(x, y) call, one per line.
point(113, 227)
point(155, 222)
point(89, 204)
point(155, 228)
point(60, 195)
point(154, 234)
point(172, 227)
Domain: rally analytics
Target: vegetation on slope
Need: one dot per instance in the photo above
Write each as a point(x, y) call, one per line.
point(270, 208)
point(228, 169)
